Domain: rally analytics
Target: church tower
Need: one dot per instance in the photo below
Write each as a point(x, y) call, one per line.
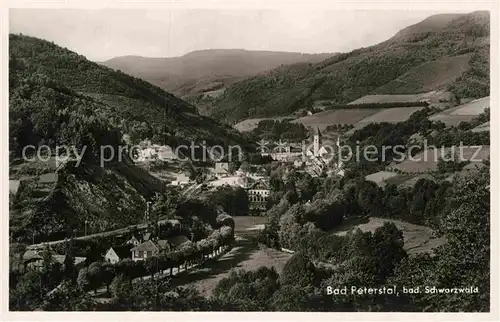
point(316, 142)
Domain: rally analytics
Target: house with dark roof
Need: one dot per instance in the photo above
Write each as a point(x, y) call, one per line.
point(151, 248)
point(177, 241)
point(148, 249)
point(132, 241)
point(117, 253)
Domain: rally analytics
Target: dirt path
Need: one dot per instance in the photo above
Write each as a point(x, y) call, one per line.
point(245, 255)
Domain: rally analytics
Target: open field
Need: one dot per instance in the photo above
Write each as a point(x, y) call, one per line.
point(428, 76)
point(392, 115)
point(14, 185)
point(483, 127)
point(244, 224)
point(251, 124)
point(418, 239)
point(473, 108)
point(246, 254)
point(451, 120)
point(341, 116)
point(381, 177)
point(427, 160)
point(412, 180)
point(462, 113)
point(433, 96)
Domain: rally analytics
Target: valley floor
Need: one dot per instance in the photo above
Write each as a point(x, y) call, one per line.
point(246, 254)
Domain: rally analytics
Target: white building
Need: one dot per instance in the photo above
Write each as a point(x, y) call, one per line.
point(117, 253)
point(258, 193)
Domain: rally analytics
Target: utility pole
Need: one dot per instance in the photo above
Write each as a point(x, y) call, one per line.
point(86, 222)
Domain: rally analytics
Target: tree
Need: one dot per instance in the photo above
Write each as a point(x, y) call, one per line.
point(327, 213)
point(290, 226)
point(188, 249)
point(29, 291)
point(68, 297)
point(83, 279)
point(108, 274)
point(298, 271)
point(95, 271)
point(465, 259)
point(225, 220)
point(388, 249)
point(69, 263)
point(248, 290)
point(120, 287)
point(151, 265)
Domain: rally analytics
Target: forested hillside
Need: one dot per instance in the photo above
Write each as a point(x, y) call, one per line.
point(449, 52)
point(59, 98)
point(49, 81)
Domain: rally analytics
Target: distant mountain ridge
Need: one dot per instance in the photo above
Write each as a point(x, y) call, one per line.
point(203, 70)
point(443, 52)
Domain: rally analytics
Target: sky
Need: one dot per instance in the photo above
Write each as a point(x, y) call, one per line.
point(101, 34)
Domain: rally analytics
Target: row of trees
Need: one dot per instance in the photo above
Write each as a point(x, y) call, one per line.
point(98, 274)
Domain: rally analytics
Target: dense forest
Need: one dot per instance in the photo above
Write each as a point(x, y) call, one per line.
point(348, 76)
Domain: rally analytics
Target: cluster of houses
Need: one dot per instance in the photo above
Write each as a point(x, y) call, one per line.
point(314, 158)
